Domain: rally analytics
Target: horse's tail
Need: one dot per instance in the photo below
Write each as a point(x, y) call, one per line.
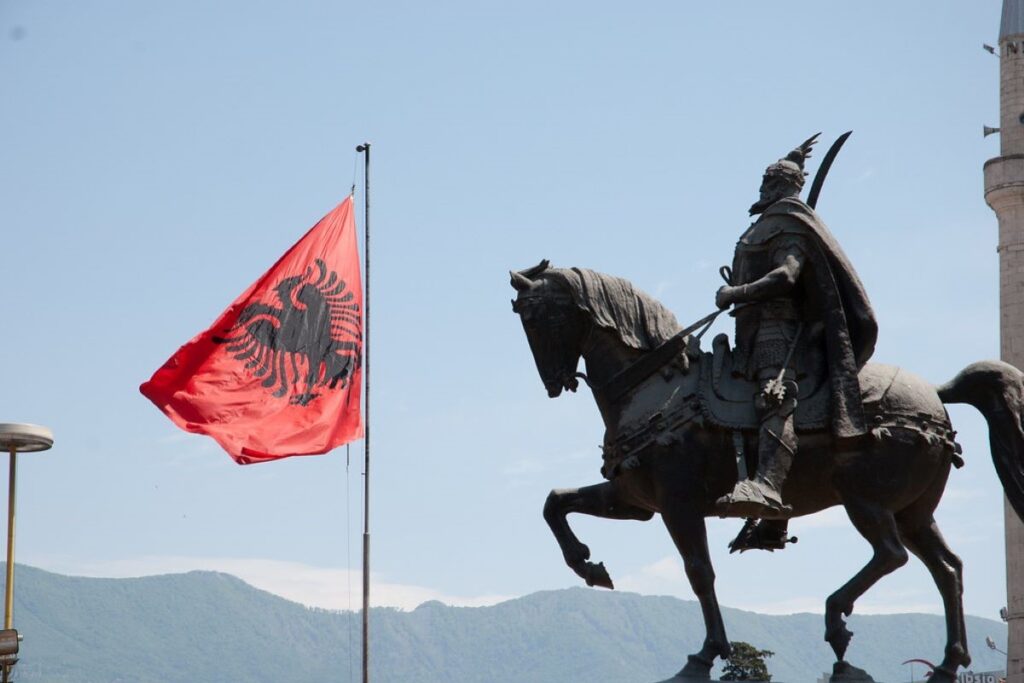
point(997, 390)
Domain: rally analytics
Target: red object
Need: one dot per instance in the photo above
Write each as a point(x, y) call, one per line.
point(279, 373)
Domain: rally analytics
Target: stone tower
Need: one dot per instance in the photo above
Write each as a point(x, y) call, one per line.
point(1004, 192)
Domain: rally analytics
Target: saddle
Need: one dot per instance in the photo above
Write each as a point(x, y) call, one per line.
point(727, 397)
point(669, 397)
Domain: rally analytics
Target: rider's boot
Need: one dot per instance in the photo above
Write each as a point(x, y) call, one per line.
point(761, 497)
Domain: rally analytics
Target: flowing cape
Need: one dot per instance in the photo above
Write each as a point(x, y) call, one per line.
point(850, 326)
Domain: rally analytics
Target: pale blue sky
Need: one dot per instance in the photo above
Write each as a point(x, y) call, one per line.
point(155, 158)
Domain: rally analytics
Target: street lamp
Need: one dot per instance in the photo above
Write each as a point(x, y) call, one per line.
point(992, 645)
point(15, 438)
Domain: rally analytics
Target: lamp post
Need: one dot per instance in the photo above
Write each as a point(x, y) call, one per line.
point(992, 645)
point(15, 438)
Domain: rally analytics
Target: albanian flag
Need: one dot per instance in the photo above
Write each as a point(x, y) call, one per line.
point(279, 372)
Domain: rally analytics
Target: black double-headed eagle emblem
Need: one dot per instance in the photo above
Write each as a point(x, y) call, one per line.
point(313, 340)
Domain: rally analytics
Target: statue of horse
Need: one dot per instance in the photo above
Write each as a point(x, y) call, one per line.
point(675, 442)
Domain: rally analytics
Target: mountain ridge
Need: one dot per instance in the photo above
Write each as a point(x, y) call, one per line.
point(211, 626)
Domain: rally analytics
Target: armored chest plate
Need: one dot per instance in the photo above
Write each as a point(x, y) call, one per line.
point(750, 262)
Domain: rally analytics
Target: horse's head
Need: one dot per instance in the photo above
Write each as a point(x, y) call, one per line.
point(554, 326)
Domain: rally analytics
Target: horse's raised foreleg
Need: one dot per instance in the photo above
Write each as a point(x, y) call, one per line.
point(878, 526)
point(599, 500)
point(926, 542)
point(686, 526)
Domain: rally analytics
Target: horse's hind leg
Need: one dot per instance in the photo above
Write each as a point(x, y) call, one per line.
point(925, 541)
point(599, 500)
point(878, 526)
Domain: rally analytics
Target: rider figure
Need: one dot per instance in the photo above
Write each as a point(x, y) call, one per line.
point(802, 315)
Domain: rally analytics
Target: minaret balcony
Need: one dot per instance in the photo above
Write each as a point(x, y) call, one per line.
point(1004, 181)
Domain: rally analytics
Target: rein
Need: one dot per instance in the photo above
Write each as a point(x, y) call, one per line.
point(583, 376)
point(651, 362)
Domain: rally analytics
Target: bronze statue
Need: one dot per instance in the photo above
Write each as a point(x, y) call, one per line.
point(812, 318)
point(682, 430)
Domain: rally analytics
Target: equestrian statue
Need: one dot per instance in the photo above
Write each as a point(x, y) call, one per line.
point(789, 422)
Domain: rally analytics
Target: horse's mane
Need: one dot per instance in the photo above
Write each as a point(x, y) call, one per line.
point(613, 303)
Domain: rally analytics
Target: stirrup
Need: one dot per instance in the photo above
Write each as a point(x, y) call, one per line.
point(755, 536)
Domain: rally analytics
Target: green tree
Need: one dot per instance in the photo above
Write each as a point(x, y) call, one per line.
point(746, 663)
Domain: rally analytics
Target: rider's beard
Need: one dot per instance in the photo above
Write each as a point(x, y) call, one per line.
point(774, 195)
point(761, 204)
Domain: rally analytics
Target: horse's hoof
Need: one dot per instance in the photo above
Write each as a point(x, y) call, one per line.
point(597, 575)
point(844, 672)
point(839, 638)
point(697, 668)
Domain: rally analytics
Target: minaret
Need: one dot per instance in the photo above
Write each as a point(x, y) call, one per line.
point(1004, 192)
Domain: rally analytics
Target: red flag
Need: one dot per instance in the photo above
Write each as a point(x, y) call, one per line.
point(279, 373)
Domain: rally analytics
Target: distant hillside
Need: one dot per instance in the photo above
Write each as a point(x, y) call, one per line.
point(204, 627)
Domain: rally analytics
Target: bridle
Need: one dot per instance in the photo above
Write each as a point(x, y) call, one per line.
point(645, 365)
point(584, 347)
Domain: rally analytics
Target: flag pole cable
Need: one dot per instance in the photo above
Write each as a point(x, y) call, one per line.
point(365, 149)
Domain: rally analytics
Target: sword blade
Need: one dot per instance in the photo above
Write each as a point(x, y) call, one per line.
point(826, 164)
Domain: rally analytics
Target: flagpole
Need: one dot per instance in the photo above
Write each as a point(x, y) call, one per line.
point(365, 149)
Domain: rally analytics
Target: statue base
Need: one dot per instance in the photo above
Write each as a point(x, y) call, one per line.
point(842, 672)
point(692, 679)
